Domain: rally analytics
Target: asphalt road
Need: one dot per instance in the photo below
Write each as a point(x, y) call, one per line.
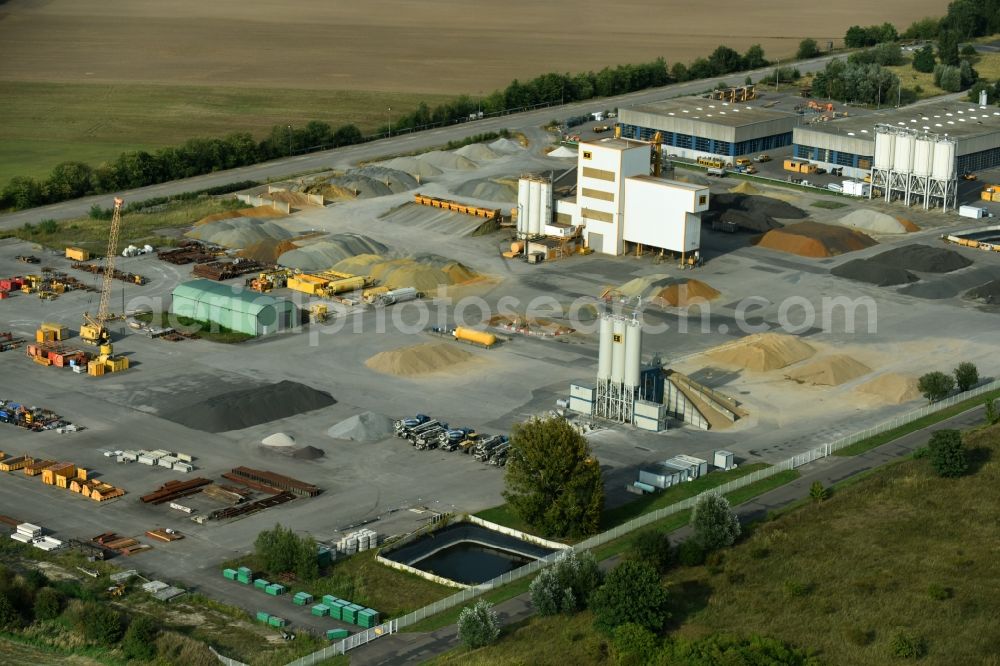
point(405, 143)
point(414, 648)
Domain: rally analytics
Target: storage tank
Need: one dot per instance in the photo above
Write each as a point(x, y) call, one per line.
point(604, 355)
point(618, 352)
point(522, 206)
point(534, 201)
point(475, 337)
point(884, 143)
point(903, 159)
point(544, 205)
point(923, 157)
point(400, 295)
point(944, 160)
point(633, 352)
point(346, 284)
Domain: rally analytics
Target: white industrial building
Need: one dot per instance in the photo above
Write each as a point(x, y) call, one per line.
point(664, 213)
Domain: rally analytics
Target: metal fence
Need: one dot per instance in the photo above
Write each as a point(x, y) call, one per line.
point(471, 593)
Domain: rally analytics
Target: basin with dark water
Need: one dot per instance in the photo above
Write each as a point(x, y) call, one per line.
point(467, 553)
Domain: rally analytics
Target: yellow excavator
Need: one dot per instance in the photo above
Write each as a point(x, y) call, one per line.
point(94, 330)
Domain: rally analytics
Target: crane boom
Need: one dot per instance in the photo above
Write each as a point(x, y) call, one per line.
point(94, 329)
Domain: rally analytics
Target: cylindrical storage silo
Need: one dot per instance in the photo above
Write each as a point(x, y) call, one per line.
point(545, 216)
point(618, 352)
point(923, 157)
point(902, 161)
point(944, 160)
point(522, 206)
point(633, 352)
point(883, 150)
point(534, 201)
point(604, 355)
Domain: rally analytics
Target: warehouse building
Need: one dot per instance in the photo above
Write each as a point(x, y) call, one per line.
point(850, 142)
point(693, 127)
point(233, 308)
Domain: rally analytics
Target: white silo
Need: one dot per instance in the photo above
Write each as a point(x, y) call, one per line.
point(884, 143)
point(944, 160)
point(923, 157)
point(534, 196)
point(523, 202)
point(618, 352)
point(633, 353)
point(902, 161)
point(545, 205)
point(604, 354)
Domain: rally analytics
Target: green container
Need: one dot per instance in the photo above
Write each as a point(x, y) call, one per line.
point(367, 618)
point(246, 571)
point(242, 579)
point(302, 598)
point(349, 613)
point(335, 634)
point(329, 599)
point(262, 616)
point(320, 610)
point(229, 574)
point(337, 609)
point(276, 621)
point(261, 584)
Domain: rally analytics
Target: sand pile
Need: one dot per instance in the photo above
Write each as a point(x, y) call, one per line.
point(988, 293)
point(691, 178)
point(364, 427)
point(763, 352)
point(267, 251)
point(249, 407)
point(746, 187)
point(864, 270)
point(530, 325)
point(215, 217)
point(332, 250)
point(364, 183)
point(813, 239)
point(665, 290)
point(892, 388)
point(424, 272)
point(239, 232)
point(257, 211)
point(413, 166)
point(829, 371)
point(308, 453)
point(506, 147)
point(422, 359)
point(922, 258)
point(873, 221)
point(564, 152)
point(278, 439)
point(477, 152)
point(447, 161)
point(489, 189)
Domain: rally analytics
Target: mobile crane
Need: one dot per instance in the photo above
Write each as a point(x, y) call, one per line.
point(94, 330)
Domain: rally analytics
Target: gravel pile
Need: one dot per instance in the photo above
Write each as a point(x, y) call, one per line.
point(750, 211)
point(477, 152)
point(365, 183)
point(749, 221)
point(446, 161)
point(267, 251)
point(988, 293)
point(239, 232)
point(667, 291)
point(244, 408)
point(815, 240)
point(763, 352)
point(422, 359)
point(873, 221)
point(278, 439)
point(563, 152)
point(923, 259)
point(364, 427)
point(880, 275)
point(506, 147)
point(332, 250)
point(413, 166)
point(489, 189)
point(308, 453)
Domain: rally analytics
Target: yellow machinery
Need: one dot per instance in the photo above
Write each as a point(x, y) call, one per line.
point(657, 154)
point(94, 329)
point(77, 254)
point(318, 313)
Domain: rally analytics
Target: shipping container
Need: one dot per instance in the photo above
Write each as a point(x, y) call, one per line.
point(302, 598)
point(261, 584)
point(262, 616)
point(276, 621)
point(329, 599)
point(247, 571)
point(337, 634)
point(320, 610)
point(229, 574)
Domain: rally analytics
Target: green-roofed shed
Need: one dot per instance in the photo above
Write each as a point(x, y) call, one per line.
point(233, 307)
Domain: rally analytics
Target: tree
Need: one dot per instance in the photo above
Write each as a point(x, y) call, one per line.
point(100, 623)
point(935, 385)
point(925, 28)
point(69, 180)
point(754, 57)
point(992, 413)
point(818, 493)
point(948, 48)
point(966, 376)
point(979, 86)
point(633, 645)
point(947, 453)
point(48, 604)
point(21, 192)
point(478, 625)
point(9, 617)
point(552, 481)
point(566, 585)
point(139, 641)
point(715, 524)
point(653, 547)
point(923, 59)
point(679, 72)
point(280, 550)
point(724, 60)
point(967, 74)
point(631, 593)
point(808, 48)
point(855, 37)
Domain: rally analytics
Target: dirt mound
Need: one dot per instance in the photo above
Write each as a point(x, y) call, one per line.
point(239, 232)
point(922, 258)
point(422, 359)
point(278, 439)
point(664, 290)
point(267, 251)
point(308, 453)
point(763, 352)
point(215, 217)
point(329, 251)
point(760, 205)
point(477, 152)
point(745, 187)
point(908, 225)
point(447, 161)
point(873, 221)
point(249, 407)
point(364, 427)
point(506, 147)
point(364, 183)
point(829, 371)
point(749, 221)
point(413, 166)
point(813, 239)
point(489, 189)
point(988, 293)
point(864, 270)
point(891, 388)
point(563, 152)
point(424, 272)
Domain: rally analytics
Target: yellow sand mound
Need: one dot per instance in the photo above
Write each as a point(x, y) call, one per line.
point(215, 217)
point(422, 359)
point(682, 294)
point(813, 239)
point(829, 371)
point(891, 388)
point(267, 251)
point(908, 225)
point(398, 273)
point(257, 211)
point(763, 352)
point(745, 187)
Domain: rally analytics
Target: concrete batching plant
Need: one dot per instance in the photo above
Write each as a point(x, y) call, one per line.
point(915, 165)
point(534, 205)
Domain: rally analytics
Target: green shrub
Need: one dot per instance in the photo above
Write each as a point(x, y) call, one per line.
point(905, 645)
point(690, 553)
point(653, 547)
point(478, 625)
point(566, 585)
point(947, 453)
point(966, 376)
point(48, 604)
point(938, 592)
point(632, 593)
point(633, 645)
point(140, 639)
point(715, 524)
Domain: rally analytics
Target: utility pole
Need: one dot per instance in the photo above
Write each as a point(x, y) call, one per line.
point(388, 115)
point(289, 139)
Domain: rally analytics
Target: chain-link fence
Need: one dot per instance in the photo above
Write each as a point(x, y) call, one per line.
point(471, 593)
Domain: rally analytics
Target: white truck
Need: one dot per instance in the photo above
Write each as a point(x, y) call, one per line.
point(975, 212)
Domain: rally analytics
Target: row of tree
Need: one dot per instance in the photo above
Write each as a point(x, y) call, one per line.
point(280, 550)
point(936, 385)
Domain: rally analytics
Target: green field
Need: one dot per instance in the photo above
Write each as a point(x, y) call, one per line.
point(900, 551)
point(43, 124)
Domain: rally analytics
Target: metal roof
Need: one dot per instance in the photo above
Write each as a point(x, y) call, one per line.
point(227, 296)
point(730, 114)
point(957, 118)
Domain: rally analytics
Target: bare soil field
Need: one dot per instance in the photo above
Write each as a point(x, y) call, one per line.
point(440, 46)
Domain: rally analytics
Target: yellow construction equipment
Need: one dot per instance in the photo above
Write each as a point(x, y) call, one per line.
point(77, 254)
point(657, 154)
point(94, 329)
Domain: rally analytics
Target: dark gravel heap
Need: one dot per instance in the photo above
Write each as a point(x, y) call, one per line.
point(923, 259)
point(866, 270)
point(249, 407)
point(751, 212)
point(988, 293)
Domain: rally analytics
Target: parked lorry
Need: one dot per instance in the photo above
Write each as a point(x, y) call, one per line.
point(975, 212)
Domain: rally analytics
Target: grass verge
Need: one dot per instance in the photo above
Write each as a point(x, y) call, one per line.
point(829, 205)
point(206, 330)
point(919, 424)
